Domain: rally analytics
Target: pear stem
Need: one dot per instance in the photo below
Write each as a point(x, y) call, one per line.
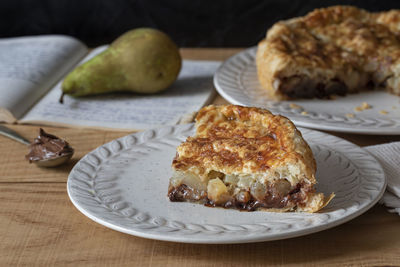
point(61, 100)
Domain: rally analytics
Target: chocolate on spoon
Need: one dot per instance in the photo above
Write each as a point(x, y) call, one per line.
point(46, 150)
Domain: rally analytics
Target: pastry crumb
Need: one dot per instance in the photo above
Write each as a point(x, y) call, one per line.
point(383, 112)
point(350, 115)
point(293, 105)
point(304, 113)
point(362, 107)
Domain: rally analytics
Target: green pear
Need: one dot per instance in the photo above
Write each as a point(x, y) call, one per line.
point(143, 60)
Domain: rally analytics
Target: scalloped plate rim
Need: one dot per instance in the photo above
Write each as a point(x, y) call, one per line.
point(235, 239)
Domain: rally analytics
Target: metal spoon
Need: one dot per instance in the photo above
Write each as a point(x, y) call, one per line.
point(52, 162)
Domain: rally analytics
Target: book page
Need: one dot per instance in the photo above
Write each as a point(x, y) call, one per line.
point(29, 66)
point(192, 90)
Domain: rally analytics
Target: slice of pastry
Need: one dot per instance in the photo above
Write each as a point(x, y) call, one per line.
point(335, 50)
point(248, 159)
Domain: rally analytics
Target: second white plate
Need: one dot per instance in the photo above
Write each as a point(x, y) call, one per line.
point(236, 80)
point(123, 185)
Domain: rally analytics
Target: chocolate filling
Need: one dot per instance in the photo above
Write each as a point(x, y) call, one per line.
point(245, 200)
point(299, 86)
point(184, 192)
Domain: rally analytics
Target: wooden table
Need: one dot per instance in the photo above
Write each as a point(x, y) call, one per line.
point(40, 226)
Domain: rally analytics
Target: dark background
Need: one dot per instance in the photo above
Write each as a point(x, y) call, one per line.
point(194, 23)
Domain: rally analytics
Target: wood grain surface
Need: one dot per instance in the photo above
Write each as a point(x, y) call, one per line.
point(39, 226)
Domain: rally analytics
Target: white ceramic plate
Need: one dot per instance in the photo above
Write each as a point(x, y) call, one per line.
point(123, 185)
point(236, 80)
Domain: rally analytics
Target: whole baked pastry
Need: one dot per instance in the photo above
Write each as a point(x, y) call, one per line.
point(245, 158)
point(334, 50)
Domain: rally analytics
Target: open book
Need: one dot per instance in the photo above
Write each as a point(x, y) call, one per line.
point(31, 73)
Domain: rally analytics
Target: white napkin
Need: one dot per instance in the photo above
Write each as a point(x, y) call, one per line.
point(388, 156)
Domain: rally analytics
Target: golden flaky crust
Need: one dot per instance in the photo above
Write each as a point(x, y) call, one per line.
point(249, 142)
point(335, 50)
point(236, 139)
